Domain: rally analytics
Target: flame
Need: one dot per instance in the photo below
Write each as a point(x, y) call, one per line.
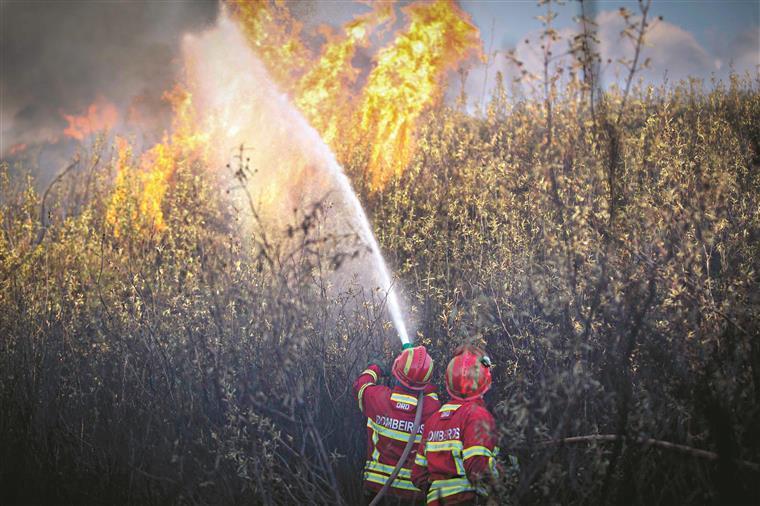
point(382, 113)
point(17, 149)
point(99, 116)
point(323, 94)
point(120, 209)
point(407, 79)
point(275, 36)
point(153, 173)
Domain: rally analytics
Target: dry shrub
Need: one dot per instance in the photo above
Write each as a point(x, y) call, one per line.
point(194, 365)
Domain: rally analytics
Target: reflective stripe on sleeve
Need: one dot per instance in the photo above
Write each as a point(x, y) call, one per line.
point(441, 489)
point(450, 407)
point(361, 395)
point(492, 467)
point(371, 373)
point(477, 451)
point(420, 460)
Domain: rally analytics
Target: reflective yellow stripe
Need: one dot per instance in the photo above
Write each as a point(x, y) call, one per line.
point(475, 451)
point(432, 396)
point(384, 468)
point(391, 433)
point(420, 460)
point(440, 489)
point(450, 407)
point(377, 466)
point(454, 446)
point(409, 357)
point(408, 399)
point(375, 439)
point(492, 467)
point(441, 446)
point(459, 463)
point(380, 479)
point(371, 373)
point(361, 395)
point(429, 371)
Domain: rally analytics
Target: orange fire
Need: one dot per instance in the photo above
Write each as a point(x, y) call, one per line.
point(17, 149)
point(376, 108)
point(153, 172)
point(408, 78)
point(100, 116)
point(324, 93)
point(121, 209)
point(408, 74)
point(275, 36)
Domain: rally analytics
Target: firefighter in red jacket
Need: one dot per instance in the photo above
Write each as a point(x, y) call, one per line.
point(390, 416)
point(457, 454)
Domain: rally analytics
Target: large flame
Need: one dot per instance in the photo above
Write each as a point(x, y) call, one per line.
point(237, 74)
point(324, 94)
point(153, 172)
point(408, 74)
point(275, 36)
point(374, 109)
point(408, 78)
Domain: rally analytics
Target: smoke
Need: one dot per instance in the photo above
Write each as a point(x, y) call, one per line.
point(60, 57)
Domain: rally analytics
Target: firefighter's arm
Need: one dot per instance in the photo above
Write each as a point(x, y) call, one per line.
point(367, 379)
point(420, 473)
point(479, 447)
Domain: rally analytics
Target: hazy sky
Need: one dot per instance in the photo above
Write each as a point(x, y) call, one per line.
point(59, 56)
point(698, 38)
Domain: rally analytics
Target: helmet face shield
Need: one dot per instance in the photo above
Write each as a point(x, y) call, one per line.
point(413, 368)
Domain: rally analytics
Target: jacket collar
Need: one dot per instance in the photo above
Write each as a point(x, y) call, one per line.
point(403, 394)
point(458, 402)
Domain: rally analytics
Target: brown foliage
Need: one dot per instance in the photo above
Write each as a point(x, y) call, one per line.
point(196, 365)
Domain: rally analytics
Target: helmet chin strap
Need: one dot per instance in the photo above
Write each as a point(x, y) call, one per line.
point(407, 449)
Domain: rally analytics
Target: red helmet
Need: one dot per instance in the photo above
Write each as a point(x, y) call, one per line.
point(468, 375)
point(413, 368)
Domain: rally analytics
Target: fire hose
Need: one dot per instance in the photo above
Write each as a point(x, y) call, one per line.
point(407, 449)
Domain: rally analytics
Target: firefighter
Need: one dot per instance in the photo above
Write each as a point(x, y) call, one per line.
point(457, 455)
point(390, 416)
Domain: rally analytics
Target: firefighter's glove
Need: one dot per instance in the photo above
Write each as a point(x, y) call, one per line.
point(379, 361)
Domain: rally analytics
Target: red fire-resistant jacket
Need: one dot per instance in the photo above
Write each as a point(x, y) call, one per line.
point(457, 453)
point(390, 419)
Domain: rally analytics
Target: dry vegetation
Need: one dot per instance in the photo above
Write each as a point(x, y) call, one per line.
point(608, 256)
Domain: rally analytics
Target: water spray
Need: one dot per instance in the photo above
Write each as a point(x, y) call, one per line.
point(239, 103)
